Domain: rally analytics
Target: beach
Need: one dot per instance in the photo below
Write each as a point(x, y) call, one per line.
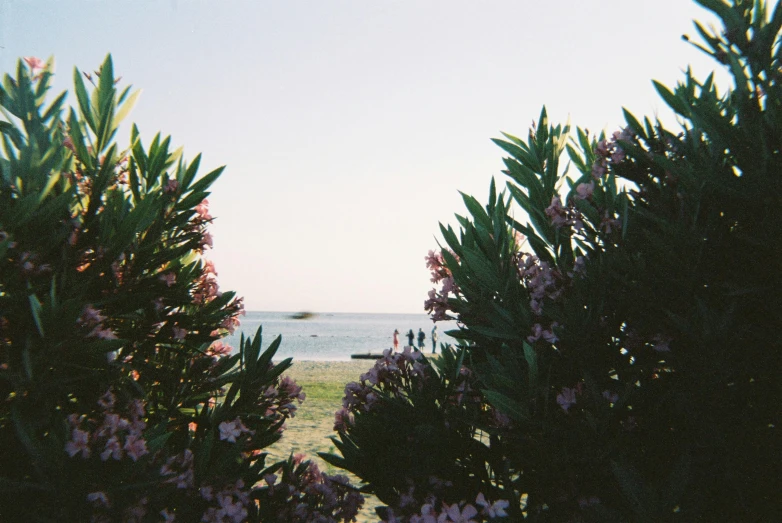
point(323, 382)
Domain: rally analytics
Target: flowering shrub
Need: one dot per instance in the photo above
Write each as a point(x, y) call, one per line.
point(411, 431)
point(628, 329)
point(118, 401)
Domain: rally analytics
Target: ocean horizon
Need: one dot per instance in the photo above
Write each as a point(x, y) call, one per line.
point(335, 336)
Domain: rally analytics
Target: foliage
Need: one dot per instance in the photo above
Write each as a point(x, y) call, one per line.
point(408, 429)
point(119, 402)
point(629, 328)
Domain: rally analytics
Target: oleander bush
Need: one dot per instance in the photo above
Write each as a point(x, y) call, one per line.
point(118, 401)
point(619, 304)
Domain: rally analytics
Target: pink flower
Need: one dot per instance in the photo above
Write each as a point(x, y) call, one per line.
point(584, 190)
point(35, 64)
point(579, 267)
point(218, 349)
point(90, 316)
point(202, 209)
point(342, 419)
point(209, 267)
point(171, 186)
point(168, 517)
point(547, 334)
point(230, 430)
point(556, 212)
point(624, 135)
point(98, 499)
point(234, 510)
point(168, 278)
point(493, 510)
point(566, 398)
point(107, 400)
point(206, 241)
point(78, 443)
point(608, 223)
point(618, 155)
point(137, 409)
point(207, 493)
point(428, 515)
point(103, 333)
point(537, 332)
point(135, 446)
point(612, 397)
point(661, 343)
point(179, 333)
point(113, 449)
point(463, 516)
point(599, 169)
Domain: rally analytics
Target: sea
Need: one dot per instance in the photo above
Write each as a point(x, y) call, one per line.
point(334, 336)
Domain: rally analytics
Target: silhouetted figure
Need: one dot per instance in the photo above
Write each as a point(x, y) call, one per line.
point(396, 340)
point(421, 338)
point(434, 339)
point(411, 338)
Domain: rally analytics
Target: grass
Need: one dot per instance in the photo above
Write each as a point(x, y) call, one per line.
point(309, 431)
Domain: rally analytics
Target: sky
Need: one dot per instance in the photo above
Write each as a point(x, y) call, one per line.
point(348, 127)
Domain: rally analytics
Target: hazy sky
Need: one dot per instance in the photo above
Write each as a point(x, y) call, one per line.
point(348, 127)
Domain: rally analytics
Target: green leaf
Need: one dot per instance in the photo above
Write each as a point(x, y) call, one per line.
point(641, 498)
point(125, 108)
point(204, 182)
point(633, 123)
point(85, 107)
point(532, 364)
point(55, 106)
point(673, 101)
point(35, 310)
point(505, 405)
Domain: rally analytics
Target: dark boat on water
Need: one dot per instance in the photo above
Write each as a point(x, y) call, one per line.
point(366, 356)
point(304, 315)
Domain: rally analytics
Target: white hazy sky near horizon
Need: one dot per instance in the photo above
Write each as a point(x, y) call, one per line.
point(348, 127)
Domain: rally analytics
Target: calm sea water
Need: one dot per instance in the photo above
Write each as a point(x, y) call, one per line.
point(335, 336)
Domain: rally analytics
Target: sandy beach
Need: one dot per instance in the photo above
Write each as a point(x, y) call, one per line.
point(308, 432)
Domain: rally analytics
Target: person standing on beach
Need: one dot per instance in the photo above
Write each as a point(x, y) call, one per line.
point(396, 340)
point(411, 338)
point(421, 338)
point(434, 339)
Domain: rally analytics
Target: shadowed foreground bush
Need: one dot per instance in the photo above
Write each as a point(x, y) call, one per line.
point(620, 357)
point(118, 401)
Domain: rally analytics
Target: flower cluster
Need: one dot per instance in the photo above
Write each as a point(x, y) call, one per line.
point(465, 389)
point(200, 220)
point(93, 321)
point(280, 398)
point(396, 373)
point(541, 280)
point(178, 470)
point(481, 510)
point(108, 435)
point(101, 253)
point(206, 288)
point(610, 152)
point(231, 503)
point(230, 431)
point(437, 303)
point(564, 216)
point(305, 494)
